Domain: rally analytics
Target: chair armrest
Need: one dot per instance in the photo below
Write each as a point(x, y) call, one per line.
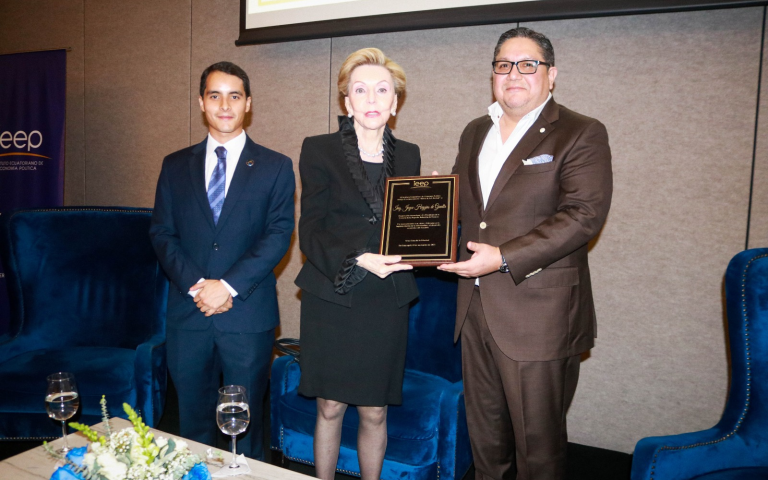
point(13, 343)
point(454, 455)
point(286, 369)
point(5, 338)
point(681, 457)
point(7, 347)
point(150, 372)
point(285, 377)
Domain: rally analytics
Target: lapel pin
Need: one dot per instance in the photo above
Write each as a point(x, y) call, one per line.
point(249, 163)
point(542, 130)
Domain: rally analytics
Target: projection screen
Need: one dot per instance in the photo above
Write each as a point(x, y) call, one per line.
point(269, 21)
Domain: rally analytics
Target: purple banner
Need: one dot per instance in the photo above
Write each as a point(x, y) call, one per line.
point(32, 115)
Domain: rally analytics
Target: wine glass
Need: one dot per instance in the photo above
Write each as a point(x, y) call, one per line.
point(62, 401)
point(233, 414)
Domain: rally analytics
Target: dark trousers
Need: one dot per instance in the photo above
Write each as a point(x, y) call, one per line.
point(515, 410)
point(197, 359)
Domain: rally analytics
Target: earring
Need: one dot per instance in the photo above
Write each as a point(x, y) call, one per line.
point(394, 113)
point(350, 114)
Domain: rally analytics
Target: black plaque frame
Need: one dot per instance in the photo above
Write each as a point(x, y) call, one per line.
point(395, 187)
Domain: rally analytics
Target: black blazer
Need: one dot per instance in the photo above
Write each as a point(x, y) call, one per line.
point(249, 240)
point(341, 215)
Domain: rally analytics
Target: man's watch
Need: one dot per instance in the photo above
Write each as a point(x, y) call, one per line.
point(503, 268)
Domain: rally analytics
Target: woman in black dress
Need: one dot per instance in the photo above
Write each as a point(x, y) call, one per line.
point(354, 304)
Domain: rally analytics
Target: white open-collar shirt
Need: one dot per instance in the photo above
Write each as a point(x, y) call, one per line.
point(495, 152)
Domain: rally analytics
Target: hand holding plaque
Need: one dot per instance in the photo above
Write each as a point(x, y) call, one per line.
point(420, 219)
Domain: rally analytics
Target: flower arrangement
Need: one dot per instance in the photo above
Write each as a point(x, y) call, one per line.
point(129, 454)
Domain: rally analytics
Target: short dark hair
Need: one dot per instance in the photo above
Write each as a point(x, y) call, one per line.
point(228, 68)
point(522, 32)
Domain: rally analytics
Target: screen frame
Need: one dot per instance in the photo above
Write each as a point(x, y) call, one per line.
point(476, 15)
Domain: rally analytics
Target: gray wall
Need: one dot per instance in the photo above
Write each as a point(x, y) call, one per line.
point(682, 131)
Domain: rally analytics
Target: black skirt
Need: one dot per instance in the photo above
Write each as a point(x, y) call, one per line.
point(355, 355)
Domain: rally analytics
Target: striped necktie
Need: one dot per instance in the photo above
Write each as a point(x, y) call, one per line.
point(217, 183)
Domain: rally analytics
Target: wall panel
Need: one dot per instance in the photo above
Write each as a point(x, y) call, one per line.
point(136, 95)
point(289, 85)
point(40, 25)
point(758, 228)
point(681, 135)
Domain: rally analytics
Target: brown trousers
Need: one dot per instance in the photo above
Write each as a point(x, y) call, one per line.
point(515, 410)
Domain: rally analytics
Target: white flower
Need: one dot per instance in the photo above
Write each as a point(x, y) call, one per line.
point(88, 459)
point(97, 448)
point(110, 467)
point(136, 453)
point(161, 442)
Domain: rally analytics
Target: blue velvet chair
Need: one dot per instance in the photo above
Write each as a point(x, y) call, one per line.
point(87, 296)
point(737, 447)
point(427, 434)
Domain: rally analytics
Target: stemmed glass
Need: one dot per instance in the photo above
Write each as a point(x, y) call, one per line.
point(233, 414)
point(62, 401)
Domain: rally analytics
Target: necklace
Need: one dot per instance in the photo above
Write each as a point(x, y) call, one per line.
point(372, 154)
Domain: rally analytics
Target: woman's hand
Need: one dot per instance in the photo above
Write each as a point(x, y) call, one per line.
point(381, 265)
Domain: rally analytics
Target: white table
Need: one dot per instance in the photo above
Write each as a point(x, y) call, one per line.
point(36, 464)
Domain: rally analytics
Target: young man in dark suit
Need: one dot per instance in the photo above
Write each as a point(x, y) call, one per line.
point(536, 187)
point(222, 222)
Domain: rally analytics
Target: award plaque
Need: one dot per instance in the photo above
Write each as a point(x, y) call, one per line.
point(419, 222)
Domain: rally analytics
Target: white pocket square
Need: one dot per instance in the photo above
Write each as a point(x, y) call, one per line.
point(538, 159)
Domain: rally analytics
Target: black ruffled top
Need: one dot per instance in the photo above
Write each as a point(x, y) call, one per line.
point(350, 274)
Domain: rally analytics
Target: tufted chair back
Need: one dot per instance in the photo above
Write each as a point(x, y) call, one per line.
point(87, 296)
point(737, 447)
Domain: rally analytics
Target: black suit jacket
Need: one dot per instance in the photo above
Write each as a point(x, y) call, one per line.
point(336, 219)
point(249, 240)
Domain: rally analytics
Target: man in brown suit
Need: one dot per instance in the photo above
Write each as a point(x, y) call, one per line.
point(536, 187)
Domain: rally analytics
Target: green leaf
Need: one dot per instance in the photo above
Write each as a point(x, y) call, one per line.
point(89, 433)
point(171, 446)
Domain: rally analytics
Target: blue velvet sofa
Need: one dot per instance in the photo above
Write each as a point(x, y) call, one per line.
point(737, 447)
point(427, 434)
point(87, 296)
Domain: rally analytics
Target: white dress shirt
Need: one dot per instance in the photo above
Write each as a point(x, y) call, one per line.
point(234, 150)
point(495, 152)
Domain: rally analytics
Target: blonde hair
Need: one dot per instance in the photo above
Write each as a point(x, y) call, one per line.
point(370, 56)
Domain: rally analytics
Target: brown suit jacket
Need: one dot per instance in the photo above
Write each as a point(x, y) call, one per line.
point(542, 218)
